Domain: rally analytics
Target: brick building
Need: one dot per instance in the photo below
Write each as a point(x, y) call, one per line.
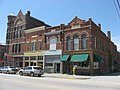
point(83, 46)
point(15, 37)
point(53, 50)
point(34, 47)
point(2, 51)
point(79, 47)
point(87, 48)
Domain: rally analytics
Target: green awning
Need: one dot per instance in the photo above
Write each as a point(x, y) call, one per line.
point(97, 58)
point(79, 58)
point(64, 57)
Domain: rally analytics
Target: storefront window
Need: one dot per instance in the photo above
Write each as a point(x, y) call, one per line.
point(26, 58)
point(32, 57)
point(96, 64)
point(81, 64)
point(40, 57)
point(48, 64)
point(40, 64)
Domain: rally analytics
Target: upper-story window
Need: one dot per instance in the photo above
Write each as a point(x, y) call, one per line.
point(19, 22)
point(76, 42)
point(33, 46)
point(13, 48)
point(19, 33)
point(95, 41)
point(40, 44)
point(14, 34)
point(68, 43)
point(28, 46)
point(83, 41)
point(53, 42)
point(19, 47)
point(16, 48)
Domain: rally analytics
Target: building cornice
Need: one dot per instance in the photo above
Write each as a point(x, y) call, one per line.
point(35, 29)
point(54, 32)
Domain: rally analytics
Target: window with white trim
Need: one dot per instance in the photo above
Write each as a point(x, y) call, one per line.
point(53, 42)
point(33, 46)
point(68, 43)
point(76, 42)
point(40, 44)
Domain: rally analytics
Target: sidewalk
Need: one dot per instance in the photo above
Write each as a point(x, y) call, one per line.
point(66, 76)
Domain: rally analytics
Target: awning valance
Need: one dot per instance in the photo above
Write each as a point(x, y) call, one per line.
point(79, 58)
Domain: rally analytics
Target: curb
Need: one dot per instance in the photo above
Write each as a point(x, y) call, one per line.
point(68, 77)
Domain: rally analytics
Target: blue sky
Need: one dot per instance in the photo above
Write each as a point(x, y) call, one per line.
point(55, 12)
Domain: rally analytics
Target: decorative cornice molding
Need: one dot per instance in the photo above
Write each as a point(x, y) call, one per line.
point(35, 29)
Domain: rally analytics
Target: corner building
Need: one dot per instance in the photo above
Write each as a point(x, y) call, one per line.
point(86, 49)
point(16, 37)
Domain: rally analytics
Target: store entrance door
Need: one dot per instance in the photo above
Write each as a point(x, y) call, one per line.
point(57, 67)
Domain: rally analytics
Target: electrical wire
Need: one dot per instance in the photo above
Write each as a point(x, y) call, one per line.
point(116, 8)
point(118, 4)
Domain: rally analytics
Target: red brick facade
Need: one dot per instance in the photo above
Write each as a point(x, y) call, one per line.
point(2, 51)
point(85, 37)
point(15, 36)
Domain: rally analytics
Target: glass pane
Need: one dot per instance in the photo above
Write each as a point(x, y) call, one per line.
point(68, 43)
point(83, 41)
point(76, 42)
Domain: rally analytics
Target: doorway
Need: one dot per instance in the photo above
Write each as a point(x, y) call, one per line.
point(57, 67)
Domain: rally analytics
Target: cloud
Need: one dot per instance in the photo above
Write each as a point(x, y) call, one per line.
point(116, 40)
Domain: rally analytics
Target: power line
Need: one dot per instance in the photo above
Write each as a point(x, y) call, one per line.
point(118, 4)
point(116, 8)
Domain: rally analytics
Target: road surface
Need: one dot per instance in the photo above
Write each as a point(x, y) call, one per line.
point(16, 82)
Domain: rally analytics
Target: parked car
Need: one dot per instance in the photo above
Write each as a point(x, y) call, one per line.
point(9, 69)
point(32, 71)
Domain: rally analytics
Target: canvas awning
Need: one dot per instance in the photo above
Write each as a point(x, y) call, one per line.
point(79, 57)
point(64, 58)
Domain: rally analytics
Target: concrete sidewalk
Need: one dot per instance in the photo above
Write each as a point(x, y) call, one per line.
point(66, 76)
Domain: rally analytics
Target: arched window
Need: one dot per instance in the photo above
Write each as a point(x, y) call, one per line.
point(83, 41)
point(53, 42)
point(76, 42)
point(68, 43)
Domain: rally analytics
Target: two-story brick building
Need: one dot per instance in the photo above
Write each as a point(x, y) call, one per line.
point(34, 47)
point(87, 49)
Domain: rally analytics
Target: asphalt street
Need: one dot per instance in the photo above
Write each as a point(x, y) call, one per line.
point(16, 82)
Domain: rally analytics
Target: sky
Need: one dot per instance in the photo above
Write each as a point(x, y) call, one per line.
point(56, 12)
